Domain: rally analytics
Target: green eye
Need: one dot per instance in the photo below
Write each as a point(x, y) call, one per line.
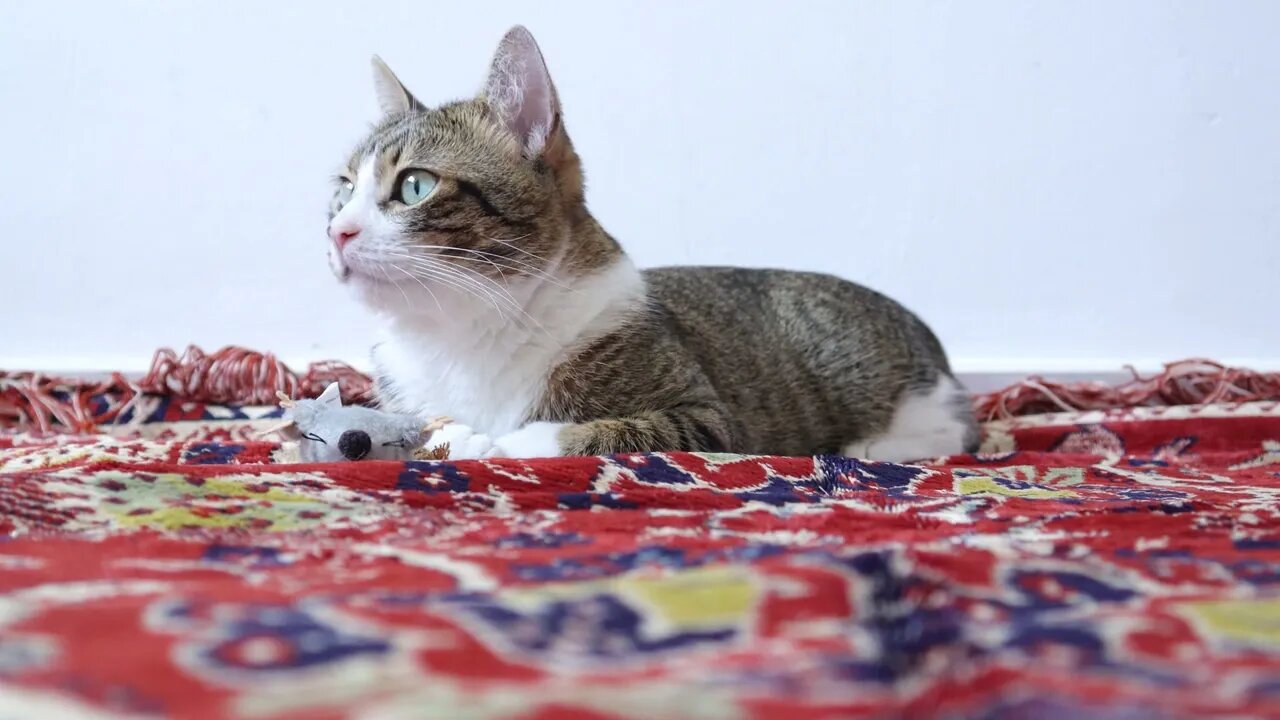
point(344, 192)
point(415, 186)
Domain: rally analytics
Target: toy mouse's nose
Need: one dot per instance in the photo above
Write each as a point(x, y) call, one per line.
point(354, 444)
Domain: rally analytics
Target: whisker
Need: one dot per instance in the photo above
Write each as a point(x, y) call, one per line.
point(511, 244)
point(457, 283)
point(497, 267)
point(403, 294)
point(476, 280)
point(523, 311)
point(521, 268)
point(472, 283)
point(451, 277)
point(441, 273)
point(419, 281)
point(439, 267)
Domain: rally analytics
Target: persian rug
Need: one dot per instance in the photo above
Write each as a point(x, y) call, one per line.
point(162, 559)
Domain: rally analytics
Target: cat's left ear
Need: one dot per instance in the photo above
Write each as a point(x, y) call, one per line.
point(520, 93)
point(393, 96)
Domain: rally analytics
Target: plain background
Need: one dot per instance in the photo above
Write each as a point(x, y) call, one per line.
point(1059, 185)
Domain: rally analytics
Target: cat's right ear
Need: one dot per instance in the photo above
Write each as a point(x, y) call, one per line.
point(393, 96)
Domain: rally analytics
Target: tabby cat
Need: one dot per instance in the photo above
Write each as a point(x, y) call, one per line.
point(506, 306)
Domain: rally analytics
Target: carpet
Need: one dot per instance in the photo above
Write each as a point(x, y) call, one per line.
point(1095, 563)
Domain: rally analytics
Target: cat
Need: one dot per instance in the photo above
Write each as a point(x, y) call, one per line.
point(506, 306)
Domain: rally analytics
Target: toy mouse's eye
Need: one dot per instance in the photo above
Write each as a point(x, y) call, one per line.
point(394, 443)
point(313, 436)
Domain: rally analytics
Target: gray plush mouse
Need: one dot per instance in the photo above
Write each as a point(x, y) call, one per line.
point(328, 431)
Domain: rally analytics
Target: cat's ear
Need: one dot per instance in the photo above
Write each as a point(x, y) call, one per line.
point(520, 93)
point(393, 96)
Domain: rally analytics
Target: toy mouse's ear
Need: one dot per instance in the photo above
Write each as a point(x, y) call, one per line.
point(332, 395)
point(416, 433)
point(435, 424)
point(287, 428)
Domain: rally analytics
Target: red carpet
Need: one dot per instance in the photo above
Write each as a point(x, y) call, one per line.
point(1089, 564)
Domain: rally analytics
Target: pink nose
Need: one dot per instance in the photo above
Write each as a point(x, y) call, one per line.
point(342, 236)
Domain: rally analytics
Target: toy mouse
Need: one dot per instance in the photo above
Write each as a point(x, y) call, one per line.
point(328, 431)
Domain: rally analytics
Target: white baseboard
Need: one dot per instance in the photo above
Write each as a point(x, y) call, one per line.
point(978, 374)
point(982, 382)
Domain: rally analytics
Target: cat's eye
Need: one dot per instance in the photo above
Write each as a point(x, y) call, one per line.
point(415, 186)
point(315, 437)
point(344, 192)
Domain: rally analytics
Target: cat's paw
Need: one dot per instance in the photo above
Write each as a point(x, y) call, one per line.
point(464, 443)
point(535, 440)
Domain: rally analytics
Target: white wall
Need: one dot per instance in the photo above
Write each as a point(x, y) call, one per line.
point(1053, 185)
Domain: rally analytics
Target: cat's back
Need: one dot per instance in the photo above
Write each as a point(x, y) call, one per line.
point(765, 334)
point(752, 304)
point(703, 288)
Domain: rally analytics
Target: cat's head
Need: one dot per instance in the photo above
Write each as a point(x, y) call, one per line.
point(466, 203)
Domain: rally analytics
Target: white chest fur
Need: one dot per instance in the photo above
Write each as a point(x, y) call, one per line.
point(486, 370)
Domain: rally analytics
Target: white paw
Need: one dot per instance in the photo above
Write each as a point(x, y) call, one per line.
point(464, 443)
point(535, 440)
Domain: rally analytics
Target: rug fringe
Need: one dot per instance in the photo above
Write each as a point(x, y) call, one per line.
point(1185, 382)
point(37, 402)
point(236, 375)
point(246, 377)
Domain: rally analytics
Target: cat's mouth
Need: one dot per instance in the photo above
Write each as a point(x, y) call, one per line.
point(360, 275)
point(337, 265)
point(347, 274)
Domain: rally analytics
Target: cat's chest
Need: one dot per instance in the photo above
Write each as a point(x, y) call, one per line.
point(487, 385)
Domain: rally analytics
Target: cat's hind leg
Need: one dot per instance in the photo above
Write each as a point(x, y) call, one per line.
point(930, 424)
